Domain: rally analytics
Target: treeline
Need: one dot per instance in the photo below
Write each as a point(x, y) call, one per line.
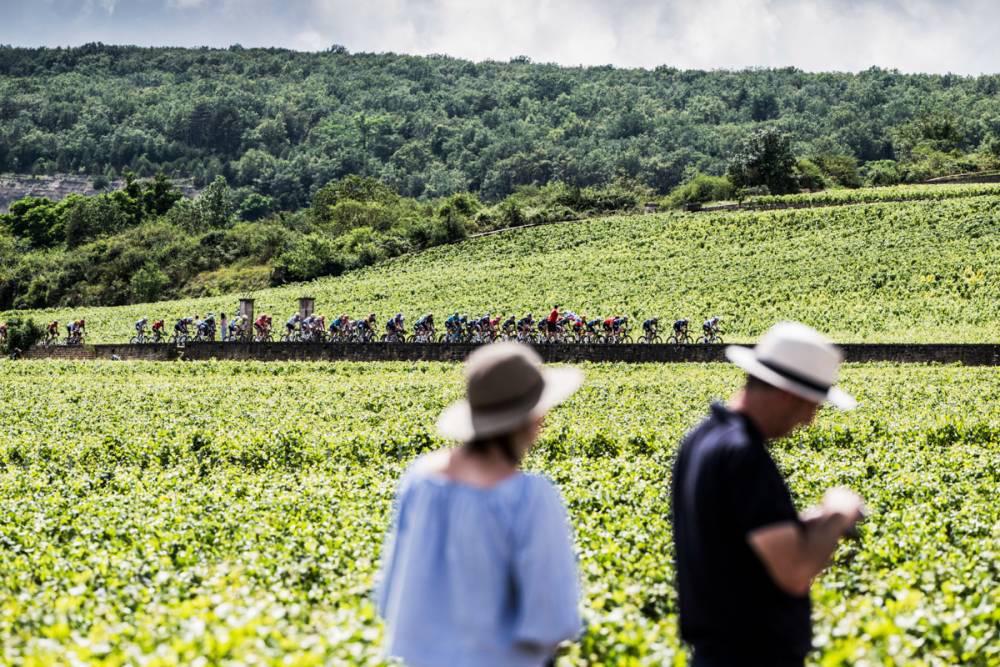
point(282, 124)
point(145, 242)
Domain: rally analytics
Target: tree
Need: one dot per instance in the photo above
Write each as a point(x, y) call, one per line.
point(764, 158)
point(148, 283)
point(36, 219)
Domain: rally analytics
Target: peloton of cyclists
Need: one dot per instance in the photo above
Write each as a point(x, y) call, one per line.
point(558, 325)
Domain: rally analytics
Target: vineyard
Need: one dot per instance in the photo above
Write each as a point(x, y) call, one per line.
point(895, 272)
point(236, 511)
point(896, 193)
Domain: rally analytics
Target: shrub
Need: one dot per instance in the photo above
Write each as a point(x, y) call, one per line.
point(22, 334)
point(809, 175)
point(699, 189)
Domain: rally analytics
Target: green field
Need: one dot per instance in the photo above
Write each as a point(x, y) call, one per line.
point(897, 193)
point(154, 513)
point(913, 272)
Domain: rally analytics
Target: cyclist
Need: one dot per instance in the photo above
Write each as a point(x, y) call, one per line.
point(234, 327)
point(366, 327)
point(609, 324)
point(292, 323)
point(260, 326)
point(681, 327)
point(526, 324)
point(181, 328)
point(711, 326)
point(424, 327)
point(453, 326)
point(592, 326)
point(207, 327)
point(75, 331)
point(309, 324)
point(649, 327)
point(394, 327)
point(483, 325)
point(334, 329)
point(509, 327)
point(140, 328)
point(552, 321)
point(3, 332)
point(158, 330)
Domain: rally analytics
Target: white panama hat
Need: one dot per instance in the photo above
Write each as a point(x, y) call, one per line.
point(506, 386)
point(798, 359)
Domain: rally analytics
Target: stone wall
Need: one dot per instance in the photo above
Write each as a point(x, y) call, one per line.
point(74, 352)
point(970, 355)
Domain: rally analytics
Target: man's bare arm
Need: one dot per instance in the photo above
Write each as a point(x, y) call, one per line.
point(795, 553)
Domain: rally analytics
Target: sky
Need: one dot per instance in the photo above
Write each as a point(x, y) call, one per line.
point(939, 36)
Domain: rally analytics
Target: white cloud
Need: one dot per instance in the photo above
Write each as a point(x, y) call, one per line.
point(911, 35)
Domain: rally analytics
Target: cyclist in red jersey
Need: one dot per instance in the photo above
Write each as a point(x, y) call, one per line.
point(552, 321)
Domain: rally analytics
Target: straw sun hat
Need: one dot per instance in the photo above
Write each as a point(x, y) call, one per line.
point(797, 359)
point(506, 387)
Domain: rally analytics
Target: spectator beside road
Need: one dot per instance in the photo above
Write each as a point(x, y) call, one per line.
point(479, 567)
point(745, 558)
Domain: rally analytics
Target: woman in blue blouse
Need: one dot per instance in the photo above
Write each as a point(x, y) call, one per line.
point(478, 568)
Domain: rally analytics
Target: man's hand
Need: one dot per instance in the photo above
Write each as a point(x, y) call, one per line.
point(793, 557)
point(847, 505)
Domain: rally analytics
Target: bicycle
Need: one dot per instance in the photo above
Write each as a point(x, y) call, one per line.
point(713, 337)
point(394, 337)
point(650, 337)
point(180, 339)
point(422, 335)
point(680, 338)
point(139, 339)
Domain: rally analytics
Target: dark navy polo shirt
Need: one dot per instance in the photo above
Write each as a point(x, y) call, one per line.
point(725, 486)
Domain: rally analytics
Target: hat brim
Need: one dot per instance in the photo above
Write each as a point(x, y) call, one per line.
point(746, 359)
point(458, 422)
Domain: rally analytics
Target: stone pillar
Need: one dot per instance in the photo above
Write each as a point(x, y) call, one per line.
point(307, 305)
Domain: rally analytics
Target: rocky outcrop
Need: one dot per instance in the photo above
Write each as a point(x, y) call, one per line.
point(16, 186)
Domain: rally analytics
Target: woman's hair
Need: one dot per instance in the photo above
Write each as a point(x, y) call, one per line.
point(505, 443)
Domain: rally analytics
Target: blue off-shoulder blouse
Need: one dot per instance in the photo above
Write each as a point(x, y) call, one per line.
point(478, 576)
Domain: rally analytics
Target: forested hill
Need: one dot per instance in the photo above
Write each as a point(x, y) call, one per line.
point(285, 123)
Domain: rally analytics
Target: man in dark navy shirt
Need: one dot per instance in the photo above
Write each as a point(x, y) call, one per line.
point(745, 558)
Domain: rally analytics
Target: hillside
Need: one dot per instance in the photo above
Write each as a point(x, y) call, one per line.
point(285, 123)
point(60, 186)
point(900, 272)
